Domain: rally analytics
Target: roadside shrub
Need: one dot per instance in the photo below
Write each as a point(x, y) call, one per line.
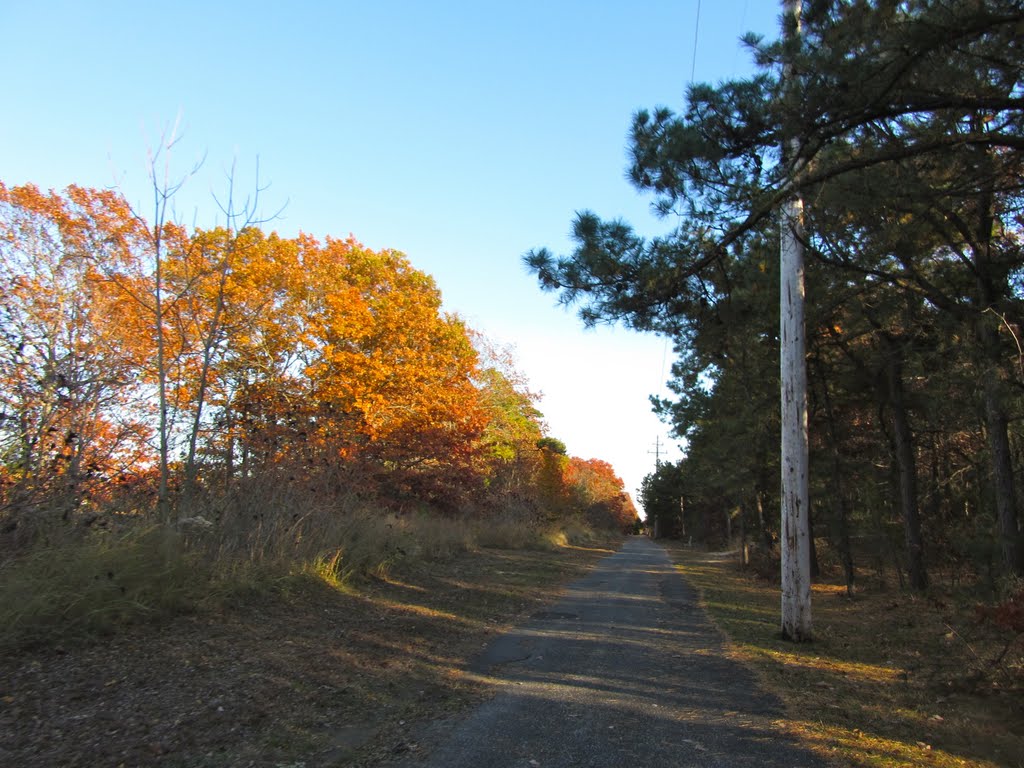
point(361, 544)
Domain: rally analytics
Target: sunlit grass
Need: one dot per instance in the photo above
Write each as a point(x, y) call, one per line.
point(890, 680)
point(94, 584)
point(856, 747)
point(851, 670)
point(423, 611)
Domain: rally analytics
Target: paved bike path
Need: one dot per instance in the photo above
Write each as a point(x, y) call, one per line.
point(626, 670)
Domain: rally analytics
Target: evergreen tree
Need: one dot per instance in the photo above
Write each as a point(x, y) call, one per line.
point(910, 121)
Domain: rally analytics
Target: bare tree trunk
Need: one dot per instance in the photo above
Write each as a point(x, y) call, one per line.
point(744, 548)
point(162, 500)
point(841, 504)
point(229, 458)
point(762, 521)
point(238, 221)
point(996, 423)
point(903, 450)
point(842, 511)
point(163, 192)
point(209, 344)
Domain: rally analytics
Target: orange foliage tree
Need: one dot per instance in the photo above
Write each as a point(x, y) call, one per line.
point(599, 494)
point(73, 410)
point(215, 364)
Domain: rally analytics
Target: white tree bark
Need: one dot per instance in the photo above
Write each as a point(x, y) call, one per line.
point(795, 542)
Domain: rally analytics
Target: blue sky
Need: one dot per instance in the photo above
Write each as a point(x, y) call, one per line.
point(461, 133)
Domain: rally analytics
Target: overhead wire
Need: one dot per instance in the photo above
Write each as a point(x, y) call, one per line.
point(696, 36)
point(693, 74)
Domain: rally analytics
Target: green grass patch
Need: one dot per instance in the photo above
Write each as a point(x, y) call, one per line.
point(891, 679)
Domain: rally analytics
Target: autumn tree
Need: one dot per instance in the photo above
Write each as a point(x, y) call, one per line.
point(509, 454)
point(293, 372)
point(598, 495)
point(73, 414)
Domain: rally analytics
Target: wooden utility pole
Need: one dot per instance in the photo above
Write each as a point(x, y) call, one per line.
point(657, 451)
point(795, 542)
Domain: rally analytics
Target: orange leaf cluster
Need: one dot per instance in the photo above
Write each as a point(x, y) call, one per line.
point(288, 361)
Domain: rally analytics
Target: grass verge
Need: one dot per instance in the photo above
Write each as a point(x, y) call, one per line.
point(891, 679)
point(314, 670)
point(69, 592)
point(95, 585)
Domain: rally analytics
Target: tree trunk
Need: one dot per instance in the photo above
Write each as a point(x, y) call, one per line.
point(903, 449)
point(840, 508)
point(842, 513)
point(162, 498)
point(991, 284)
point(744, 549)
point(762, 521)
point(815, 568)
point(1002, 476)
point(209, 345)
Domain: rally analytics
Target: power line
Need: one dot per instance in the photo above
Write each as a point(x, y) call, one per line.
point(696, 35)
point(664, 352)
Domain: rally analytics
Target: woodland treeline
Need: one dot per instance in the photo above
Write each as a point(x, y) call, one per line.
point(234, 379)
point(904, 124)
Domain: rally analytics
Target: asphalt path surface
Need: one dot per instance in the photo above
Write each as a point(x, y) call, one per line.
point(625, 671)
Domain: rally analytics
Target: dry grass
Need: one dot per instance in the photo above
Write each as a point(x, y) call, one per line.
point(92, 584)
point(93, 587)
point(891, 680)
point(307, 673)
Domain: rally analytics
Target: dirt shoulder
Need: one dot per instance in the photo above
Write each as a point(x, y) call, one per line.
point(310, 675)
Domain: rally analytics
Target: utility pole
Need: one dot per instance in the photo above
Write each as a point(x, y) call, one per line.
point(795, 542)
point(657, 466)
point(657, 451)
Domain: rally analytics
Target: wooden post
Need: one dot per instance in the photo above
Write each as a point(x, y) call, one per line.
point(795, 543)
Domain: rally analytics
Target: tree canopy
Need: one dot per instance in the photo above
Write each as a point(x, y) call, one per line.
point(906, 123)
point(148, 368)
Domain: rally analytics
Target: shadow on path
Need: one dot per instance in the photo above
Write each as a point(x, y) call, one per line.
point(625, 670)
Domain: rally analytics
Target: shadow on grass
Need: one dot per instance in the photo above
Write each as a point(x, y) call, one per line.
point(311, 673)
point(886, 681)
